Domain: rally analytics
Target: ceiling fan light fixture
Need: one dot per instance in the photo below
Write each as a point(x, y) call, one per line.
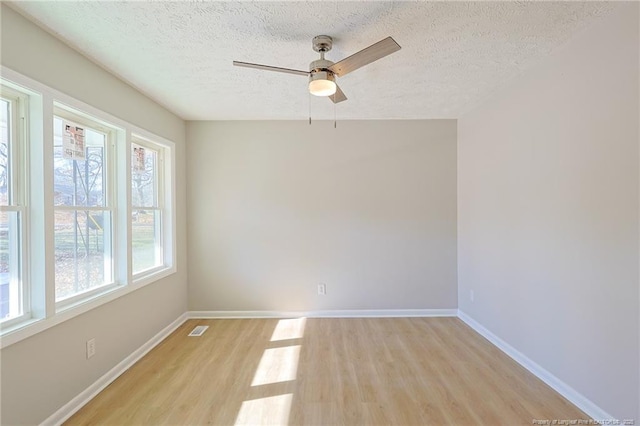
point(322, 83)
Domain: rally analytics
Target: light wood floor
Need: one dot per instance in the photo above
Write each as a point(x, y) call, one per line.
point(400, 371)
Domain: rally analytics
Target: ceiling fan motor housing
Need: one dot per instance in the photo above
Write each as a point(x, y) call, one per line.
point(322, 75)
point(320, 65)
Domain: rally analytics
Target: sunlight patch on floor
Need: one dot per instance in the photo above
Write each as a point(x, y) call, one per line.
point(289, 329)
point(277, 365)
point(273, 410)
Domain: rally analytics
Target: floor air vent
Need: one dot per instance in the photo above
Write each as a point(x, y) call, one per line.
point(199, 330)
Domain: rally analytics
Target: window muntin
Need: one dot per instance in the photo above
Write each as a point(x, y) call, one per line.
point(13, 286)
point(83, 222)
point(147, 206)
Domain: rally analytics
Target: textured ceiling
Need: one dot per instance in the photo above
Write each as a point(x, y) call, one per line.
point(454, 54)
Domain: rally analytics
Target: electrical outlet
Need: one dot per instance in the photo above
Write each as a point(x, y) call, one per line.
point(322, 289)
point(91, 348)
point(471, 295)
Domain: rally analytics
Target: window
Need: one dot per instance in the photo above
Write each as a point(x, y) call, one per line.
point(147, 200)
point(83, 211)
point(13, 288)
point(86, 207)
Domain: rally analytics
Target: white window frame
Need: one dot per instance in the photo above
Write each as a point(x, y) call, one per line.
point(38, 224)
point(166, 203)
point(159, 205)
point(110, 133)
point(18, 163)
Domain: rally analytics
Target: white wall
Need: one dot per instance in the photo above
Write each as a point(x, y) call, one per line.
point(368, 208)
point(44, 372)
point(548, 214)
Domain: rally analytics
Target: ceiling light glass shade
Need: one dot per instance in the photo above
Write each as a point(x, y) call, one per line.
point(322, 84)
point(322, 87)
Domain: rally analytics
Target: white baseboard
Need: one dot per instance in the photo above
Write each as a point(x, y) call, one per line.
point(85, 396)
point(580, 401)
point(576, 398)
point(357, 313)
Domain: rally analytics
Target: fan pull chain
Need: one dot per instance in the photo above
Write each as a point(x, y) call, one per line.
point(335, 121)
point(309, 108)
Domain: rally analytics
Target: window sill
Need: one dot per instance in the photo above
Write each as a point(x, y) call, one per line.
point(150, 275)
point(30, 327)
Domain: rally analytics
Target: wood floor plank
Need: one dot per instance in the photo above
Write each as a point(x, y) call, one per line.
point(364, 371)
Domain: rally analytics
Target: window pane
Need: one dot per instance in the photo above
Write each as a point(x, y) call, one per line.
point(10, 280)
point(83, 251)
point(144, 177)
point(5, 171)
point(79, 176)
point(146, 244)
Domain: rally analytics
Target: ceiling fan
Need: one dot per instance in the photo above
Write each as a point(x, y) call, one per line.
point(322, 72)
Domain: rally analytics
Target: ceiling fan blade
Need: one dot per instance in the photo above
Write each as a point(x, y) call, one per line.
point(365, 56)
point(270, 68)
point(339, 96)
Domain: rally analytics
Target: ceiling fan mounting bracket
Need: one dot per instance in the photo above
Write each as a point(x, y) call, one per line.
point(322, 43)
